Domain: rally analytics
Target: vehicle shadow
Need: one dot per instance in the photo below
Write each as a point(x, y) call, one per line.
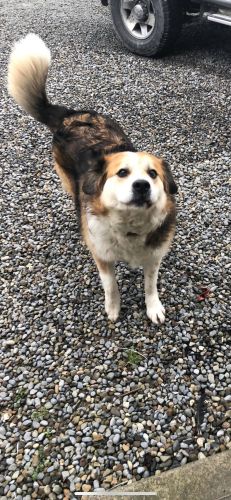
point(203, 35)
point(201, 44)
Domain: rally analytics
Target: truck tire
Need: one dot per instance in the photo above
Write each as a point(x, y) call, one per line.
point(147, 27)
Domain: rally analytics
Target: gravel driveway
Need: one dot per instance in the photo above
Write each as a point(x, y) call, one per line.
point(85, 404)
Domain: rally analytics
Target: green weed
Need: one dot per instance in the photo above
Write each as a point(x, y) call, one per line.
point(40, 414)
point(133, 357)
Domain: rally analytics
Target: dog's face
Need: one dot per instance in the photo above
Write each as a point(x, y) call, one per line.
point(134, 180)
point(128, 179)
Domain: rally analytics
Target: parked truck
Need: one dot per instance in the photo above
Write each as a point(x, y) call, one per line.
point(150, 27)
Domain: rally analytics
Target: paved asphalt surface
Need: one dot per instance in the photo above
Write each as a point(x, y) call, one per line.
point(88, 405)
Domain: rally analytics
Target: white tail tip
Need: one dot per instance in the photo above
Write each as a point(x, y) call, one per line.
point(30, 46)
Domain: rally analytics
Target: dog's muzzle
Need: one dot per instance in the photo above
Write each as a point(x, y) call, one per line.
point(141, 193)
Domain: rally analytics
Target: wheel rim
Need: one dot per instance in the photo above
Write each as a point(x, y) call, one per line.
point(138, 17)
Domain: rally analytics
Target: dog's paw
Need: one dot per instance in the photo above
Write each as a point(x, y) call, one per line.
point(112, 308)
point(112, 312)
point(156, 312)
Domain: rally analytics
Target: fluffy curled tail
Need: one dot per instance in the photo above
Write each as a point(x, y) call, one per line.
point(27, 74)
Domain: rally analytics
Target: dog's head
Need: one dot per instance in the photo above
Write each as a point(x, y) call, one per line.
point(127, 179)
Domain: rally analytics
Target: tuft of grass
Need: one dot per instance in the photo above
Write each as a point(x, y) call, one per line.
point(40, 414)
point(21, 394)
point(48, 432)
point(42, 463)
point(133, 357)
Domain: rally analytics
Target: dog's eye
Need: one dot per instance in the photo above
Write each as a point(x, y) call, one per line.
point(152, 173)
point(123, 172)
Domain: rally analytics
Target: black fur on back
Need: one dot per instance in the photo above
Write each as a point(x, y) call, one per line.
point(84, 137)
point(80, 145)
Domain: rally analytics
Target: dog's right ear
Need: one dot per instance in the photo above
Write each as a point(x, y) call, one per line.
point(92, 165)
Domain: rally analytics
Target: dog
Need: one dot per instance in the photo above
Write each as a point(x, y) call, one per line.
point(125, 197)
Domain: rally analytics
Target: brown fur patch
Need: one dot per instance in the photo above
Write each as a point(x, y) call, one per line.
point(113, 162)
point(102, 265)
point(80, 134)
point(96, 207)
point(70, 120)
point(93, 119)
point(95, 130)
point(163, 170)
point(155, 163)
point(66, 180)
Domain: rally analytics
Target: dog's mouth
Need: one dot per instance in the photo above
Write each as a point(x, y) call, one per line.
point(141, 201)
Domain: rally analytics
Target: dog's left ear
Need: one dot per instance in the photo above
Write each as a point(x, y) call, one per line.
point(92, 165)
point(169, 183)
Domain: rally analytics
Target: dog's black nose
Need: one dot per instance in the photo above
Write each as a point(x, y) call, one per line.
point(141, 187)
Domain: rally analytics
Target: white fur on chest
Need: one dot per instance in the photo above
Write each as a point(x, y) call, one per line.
point(111, 241)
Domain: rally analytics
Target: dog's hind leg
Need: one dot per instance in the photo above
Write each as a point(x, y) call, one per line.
point(112, 297)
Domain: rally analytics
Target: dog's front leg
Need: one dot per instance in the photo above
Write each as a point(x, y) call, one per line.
point(155, 309)
point(112, 297)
